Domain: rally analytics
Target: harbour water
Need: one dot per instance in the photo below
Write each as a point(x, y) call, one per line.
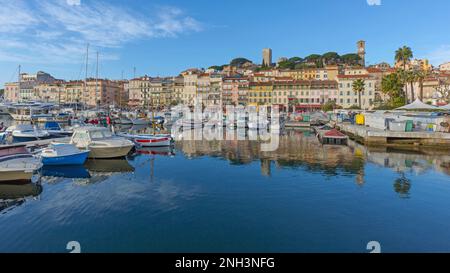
point(229, 196)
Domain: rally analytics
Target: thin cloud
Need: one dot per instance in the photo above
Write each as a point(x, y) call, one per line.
point(439, 55)
point(374, 2)
point(60, 29)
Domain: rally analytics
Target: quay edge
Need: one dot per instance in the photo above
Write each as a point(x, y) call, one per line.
point(377, 137)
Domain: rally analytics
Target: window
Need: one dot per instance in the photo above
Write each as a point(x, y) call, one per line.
point(356, 100)
point(348, 100)
point(342, 100)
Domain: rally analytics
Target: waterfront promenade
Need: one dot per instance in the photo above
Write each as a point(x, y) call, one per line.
point(373, 136)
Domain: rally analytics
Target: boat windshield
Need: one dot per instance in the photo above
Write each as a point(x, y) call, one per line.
point(100, 134)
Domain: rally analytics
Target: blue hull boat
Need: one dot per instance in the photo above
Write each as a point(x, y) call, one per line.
point(63, 154)
point(75, 159)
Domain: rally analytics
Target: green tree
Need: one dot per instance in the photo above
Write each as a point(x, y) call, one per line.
point(313, 58)
point(330, 106)
point(420, 76)
point(359, 86)
point(286, 65)
point(392, 85)
point(350, 59)
point(403, 55)
point(217, 67)
point(331, 57)
point(411, 78)
point(238, 62)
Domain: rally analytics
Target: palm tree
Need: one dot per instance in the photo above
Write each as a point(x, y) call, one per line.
point(404, 55)
point(411, 77)
point(421, 75)
point(359, 86)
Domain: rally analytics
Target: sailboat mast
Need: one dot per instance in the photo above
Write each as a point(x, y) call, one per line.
point(96, 84)
point(86, 74)
point(19, 80)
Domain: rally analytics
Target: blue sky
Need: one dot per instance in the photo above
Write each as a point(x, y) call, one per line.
point(166, 37)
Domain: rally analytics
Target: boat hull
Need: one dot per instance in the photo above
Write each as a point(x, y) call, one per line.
point(109, 152)
point(15, 176)
point(75, 159)
point(153, 142)
point(140, 121)
point(124, 121)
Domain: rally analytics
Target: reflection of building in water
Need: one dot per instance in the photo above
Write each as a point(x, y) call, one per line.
point(417, 161)
point(300, 149)
point(265, 167)
point(296, 149)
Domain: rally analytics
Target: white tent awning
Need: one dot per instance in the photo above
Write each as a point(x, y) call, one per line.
point(417, 105)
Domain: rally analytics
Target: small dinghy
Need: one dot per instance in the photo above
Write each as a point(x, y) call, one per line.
point(145, 140)
point(63, 154)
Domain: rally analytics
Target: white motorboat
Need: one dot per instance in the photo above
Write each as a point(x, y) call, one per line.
point(42, 118)
point(140, 121)
point(26, 132)
point(25, 111)
point(101, 142)
point(123, 121)
point(17, 164)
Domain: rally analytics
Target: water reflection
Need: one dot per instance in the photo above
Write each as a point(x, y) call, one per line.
point(297, 149)
point(65, 171)
point(12, 195)
point(300, 149)
point(104, 169)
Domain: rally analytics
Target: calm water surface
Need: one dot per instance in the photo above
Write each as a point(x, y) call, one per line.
point(228, 196)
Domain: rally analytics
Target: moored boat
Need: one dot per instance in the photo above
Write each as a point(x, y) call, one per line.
point(17, 164)
point(26, 132)
point(140, 121)
point(123, 120)
point(63, 154)
point(54, 129)
point(101, 142)
point(146, 140)
point(333, 137)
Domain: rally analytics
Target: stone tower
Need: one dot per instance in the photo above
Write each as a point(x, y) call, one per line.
point(267, 57)
point(362, 52)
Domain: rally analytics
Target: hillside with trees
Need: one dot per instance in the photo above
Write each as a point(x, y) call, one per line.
point(318, 61)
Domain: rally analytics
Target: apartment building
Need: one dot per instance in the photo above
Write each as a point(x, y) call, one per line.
point(304, 94)
point(235, 90)
point(260, 94)
point(138, 90)
point(347, 97)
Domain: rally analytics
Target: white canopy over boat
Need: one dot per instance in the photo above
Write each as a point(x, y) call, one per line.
point(417, 105)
